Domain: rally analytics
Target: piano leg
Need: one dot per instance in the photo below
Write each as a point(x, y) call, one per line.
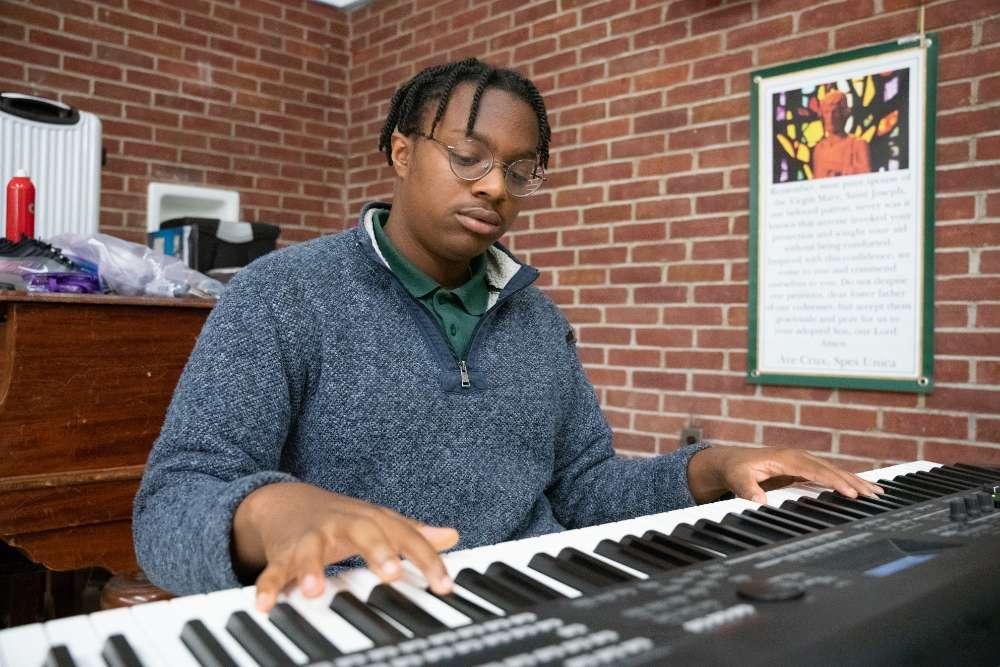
point(125, 590)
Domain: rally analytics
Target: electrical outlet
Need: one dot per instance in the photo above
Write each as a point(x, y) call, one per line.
point(690, 435)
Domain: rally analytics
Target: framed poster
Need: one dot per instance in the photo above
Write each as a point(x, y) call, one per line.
point(842, 220)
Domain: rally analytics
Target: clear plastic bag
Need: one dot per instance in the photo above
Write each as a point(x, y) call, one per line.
point(134, 269)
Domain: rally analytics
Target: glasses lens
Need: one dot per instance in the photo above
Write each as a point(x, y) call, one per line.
point(524, 177)
point(470, 160)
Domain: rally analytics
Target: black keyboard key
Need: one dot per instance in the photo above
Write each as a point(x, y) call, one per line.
point(857, 504)
point(669, 557)
point(58, 656)
point(632, 558)
point(882, 500)
point(783, 524)
point(734, 534)
point(992, 474)
point(965, 476)
point(830, 507)
point(832, 518)
point(301, 632)
point(929, 485)
point(766, 530)
point(117, 652)
point(944, 480)
point(570, 574)
point(898, 485)
point(695, 551)
point(901, 498)
point(714, 542)
point(365, 620)
point(404, 611)
point(464, 606)
point(205, 648)
point(256, 641)
point(598, 566)
point(522, 583)
point(808, 522)
point(492, 591)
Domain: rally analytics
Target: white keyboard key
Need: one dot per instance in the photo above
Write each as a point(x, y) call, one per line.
point(24, 645)
point(317, 611)
point(244, 598)
point(120, 622)
point(162, 622)
point(214, 615)
point(77, 635)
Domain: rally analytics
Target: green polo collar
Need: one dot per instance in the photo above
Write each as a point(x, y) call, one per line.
point(473, 294)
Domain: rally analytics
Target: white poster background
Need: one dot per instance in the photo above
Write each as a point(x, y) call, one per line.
point(840, 260)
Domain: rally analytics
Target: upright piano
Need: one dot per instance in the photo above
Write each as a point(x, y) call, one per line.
point(85, 381)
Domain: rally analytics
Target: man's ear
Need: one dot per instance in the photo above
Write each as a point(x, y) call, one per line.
point(402, 151)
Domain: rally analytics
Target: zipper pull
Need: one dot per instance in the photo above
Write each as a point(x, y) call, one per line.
point(464, 371)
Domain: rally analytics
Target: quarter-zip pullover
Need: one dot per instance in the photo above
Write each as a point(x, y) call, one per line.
point(317, 365)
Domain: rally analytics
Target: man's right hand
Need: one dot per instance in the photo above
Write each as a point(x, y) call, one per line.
point(293, 530)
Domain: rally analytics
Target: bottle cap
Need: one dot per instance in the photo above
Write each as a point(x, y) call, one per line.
point(20, 173)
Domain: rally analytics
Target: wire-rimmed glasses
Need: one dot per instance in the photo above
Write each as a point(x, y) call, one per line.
point(471, 160)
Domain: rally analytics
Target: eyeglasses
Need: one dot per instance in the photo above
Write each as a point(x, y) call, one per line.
point(472, 160)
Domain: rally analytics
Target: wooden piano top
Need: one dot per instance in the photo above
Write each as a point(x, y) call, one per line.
point(85, 381)
point(104, 300)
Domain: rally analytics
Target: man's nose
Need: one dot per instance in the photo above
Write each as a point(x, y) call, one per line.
point(492, 183)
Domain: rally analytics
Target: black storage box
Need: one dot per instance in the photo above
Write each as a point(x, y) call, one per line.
point(218, 244)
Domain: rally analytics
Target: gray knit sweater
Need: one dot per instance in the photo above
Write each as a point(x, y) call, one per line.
point(318, 366)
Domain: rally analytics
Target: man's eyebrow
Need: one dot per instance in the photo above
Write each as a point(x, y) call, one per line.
point(527, 153)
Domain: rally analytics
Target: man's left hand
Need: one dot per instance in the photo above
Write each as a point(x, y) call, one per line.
point(747, 472)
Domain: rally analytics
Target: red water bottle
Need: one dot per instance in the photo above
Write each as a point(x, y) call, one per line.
point(20, 207)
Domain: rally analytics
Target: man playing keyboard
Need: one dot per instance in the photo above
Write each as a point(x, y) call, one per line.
point(401, 388)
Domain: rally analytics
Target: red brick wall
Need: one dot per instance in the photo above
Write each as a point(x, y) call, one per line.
point(247, 96)
point(641, 232)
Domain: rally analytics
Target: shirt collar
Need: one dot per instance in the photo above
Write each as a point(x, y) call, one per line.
point(473, 293)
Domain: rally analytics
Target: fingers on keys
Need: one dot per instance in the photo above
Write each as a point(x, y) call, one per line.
point(381, 537)
point(846, 483)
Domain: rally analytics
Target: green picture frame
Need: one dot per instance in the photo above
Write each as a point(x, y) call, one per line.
point(841, 148)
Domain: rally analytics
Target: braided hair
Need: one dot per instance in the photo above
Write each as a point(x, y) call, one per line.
point(438, 82)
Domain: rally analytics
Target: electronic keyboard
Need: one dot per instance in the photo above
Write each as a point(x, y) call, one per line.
point(912, 577)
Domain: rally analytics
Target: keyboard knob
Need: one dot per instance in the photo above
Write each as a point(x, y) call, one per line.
point(971, 506)
point(985, 502)
point(762, 590)
point(956, 509)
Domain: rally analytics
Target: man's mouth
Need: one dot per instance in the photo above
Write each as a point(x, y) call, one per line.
point(479, 221)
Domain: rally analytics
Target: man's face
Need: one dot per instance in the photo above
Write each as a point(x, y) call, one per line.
point(447, 220)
